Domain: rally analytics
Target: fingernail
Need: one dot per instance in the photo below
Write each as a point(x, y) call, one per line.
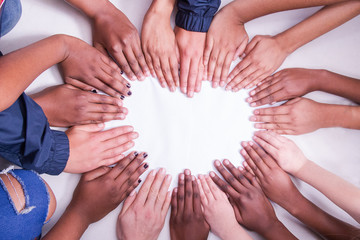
point(256, 112)
point(252, 93)
point(226, 162)
point(121, 72)
point(187, 172)
point(222, 83)
point(128, 85)
point(146, 166)
point(94, 91)
point(119, 103)
point(182, 176)
point(253, 118)
point(132, 193)
point(248, 87)
point(217, 163)
point(172, 89)
point(253, 104)
point(200, 176)
point(100, 124)
point(193, 178)
point(215, 85)
point(145, 155)
point(139, 181)
point(129, 93)
point(228, 88)
point(162, 171)
point(183, 89)
point(136, 153)
point(249, 99)
point(212, 174)
point(122, 97)
point(251, 143)
point(120, 116)
point(191, 94)
point(168, 178)
point(134, 135)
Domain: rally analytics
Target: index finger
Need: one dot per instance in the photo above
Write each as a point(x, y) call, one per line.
point(188, 207)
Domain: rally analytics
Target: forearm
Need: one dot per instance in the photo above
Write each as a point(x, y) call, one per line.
point(234, 233)
point(70, 226)
point(277, 232)
point(318, 24)
point(248, 10)
point(20, 68)
point(337, 84)
point(163, 7)
point(90, 7)
point(318, 220)
point(345, 116)
point(342, 193)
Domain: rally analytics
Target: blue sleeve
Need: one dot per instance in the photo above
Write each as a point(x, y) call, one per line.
point(196, 15)
point(27, 140)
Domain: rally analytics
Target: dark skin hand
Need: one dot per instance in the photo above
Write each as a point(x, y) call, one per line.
point(278, 186)
point(252, 208)
point(65, 106)
point(187, 220)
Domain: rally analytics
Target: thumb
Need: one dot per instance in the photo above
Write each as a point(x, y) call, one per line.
point(129, 200)
point(90, 127)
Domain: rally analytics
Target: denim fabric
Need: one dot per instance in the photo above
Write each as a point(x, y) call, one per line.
point(27, 140)
point(196, 15)
point(26, 224)
point(10, 15)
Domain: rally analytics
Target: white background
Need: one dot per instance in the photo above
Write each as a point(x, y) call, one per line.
point(180, 133)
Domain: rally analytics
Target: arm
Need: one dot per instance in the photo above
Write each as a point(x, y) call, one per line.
point(279, 188)
point(159, 44)
point(286, 42)
point(291, 159)
point(111, 186)
point(121, 40)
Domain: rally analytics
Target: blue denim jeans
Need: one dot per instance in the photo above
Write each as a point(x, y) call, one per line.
point(9, 16)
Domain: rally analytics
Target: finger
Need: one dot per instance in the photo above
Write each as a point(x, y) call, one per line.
point(199, 78)
point(266, 159)
point(95, 128)
point(133, 62)
point(207, 51)
point(212, 64)
point(240, 50)
point(112, 154)
point(203, 195)
point(281, 110)
point(164, 197)
point(131, 174)
point(218, 68)
point(233, 170)
point(184, 72)
point(196, 197)
point(252, 79)
point(181, 193)
point(103, 99)
point(265, 145)
point(271, 118)
point(153, 193)
point(174, 66)
point(174, 205)
point(188, 206)
point(207, 191)
point(192, 77)
point(243, 78)
point(123, 63)
point(228, 177)
point(119, 140)
point(224, 186)
point(149, 62)
point(129, 190)
point(123, 163)
point(216, 192)
point(145, 188)
point(159, 73)
point(273, 126)
point(254, 161)
point(238, 69)
point(78, 84)
point(140, 57)
point(128, 201)
point(101, 171)
point(166, 205)
point(167, 74)
point(225, 69)
point(101, 48)
point(114, 132)
point(236, 211)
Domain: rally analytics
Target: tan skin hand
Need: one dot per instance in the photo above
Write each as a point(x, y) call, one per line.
point(91, 148)
point(275, 183)
point(225, 41)
point(297, 116)
point(87, 68)
point(110, 185)
point(187, 220)
point(143, 215)
point(263, 55)
point(284, 151)
point(120, 40)
point(283, 85)
point(65, 106)
point(191, 46)
point(160, 49)
point(255, 211)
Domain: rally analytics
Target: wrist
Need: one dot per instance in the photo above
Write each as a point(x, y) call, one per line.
point(319, 79)
point(284, 43)
point(231, 230)
point(162, 8)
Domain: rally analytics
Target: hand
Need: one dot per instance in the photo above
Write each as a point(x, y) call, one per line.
point(297, 116)
point(86, 68)
point(225, 41)
point(91, 148)
point(283, 150)
point(275, 183)
point(187, 220)
point(191, 47)
point(143, 215)
point(263, 55)
point(160, 47)
point(65, 106)
point(255, 210)
point(110, 185)
point(114, 34)
point(283, 85)
point(218, 211)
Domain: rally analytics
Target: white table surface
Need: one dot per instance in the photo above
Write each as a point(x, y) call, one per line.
point(180, 133)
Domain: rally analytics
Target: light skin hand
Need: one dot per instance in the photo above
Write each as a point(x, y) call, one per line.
point(191, 46)
point(143, 215)
point(284, 151)
point(160, 47)
point(252, 208)
point(187, 220)
point(284, 85)
point(218, 211)
point(91, 148)
point(297, 116)
point(65, 106)
point(120, 40)
point(98, 71)
point(110, 185)
point(263, 55)
point(225, 41)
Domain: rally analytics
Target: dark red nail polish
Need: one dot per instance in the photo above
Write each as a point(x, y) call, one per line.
point(129, 93)
point(94, 91)
point(139, 181)
point(146, 166)
point(136, 153)
point(128, 85)
point(122, 97)
point(121, 72)
point(145, 155)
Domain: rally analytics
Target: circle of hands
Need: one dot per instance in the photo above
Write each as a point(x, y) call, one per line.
point(179, 59)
